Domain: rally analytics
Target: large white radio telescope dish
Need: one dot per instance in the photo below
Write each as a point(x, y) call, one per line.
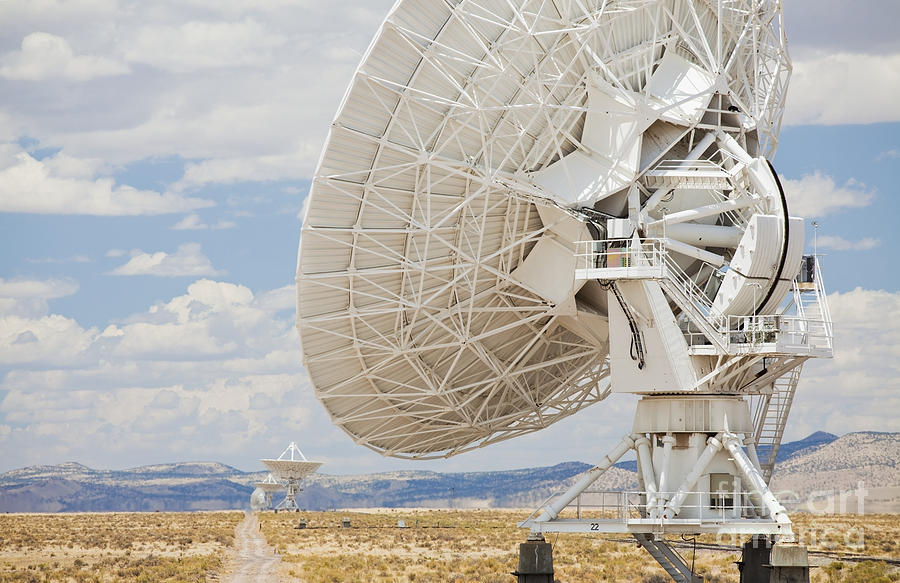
point(478, 142)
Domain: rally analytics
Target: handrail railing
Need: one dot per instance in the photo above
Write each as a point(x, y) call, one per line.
point(627, 254)
point(686, 166)
point(649, 258)
point(625, 505)
point(691, 289)
point(619, 253)
point(645, 258)
point(779, 329)
point(822, 299)
point(721, 159)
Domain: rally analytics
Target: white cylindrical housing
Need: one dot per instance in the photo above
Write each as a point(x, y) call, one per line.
point(699, 234)
point(646, 469)
point(668, 441)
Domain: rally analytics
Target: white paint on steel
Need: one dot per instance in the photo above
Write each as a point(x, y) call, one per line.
point(759, 490)
point(436, 300)
point(552, 509)
point(673, 507)
point(288, 471)
point(291, 465)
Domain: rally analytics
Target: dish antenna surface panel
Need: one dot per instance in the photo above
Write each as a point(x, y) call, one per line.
point(270, 485)
point(478, 142)
point(291, 465)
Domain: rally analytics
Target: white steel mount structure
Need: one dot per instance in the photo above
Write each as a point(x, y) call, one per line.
point(290, 469)
point(523, 206)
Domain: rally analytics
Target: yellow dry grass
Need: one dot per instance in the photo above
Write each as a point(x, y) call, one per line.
point(436, 546)
point(105, 547)
point(481, 546)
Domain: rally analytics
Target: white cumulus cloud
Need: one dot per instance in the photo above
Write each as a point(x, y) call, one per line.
point(29, 333)
point(53, 340)
point(892, 154)
point(841, 244)
point(844, 88)
point(190, 46)
point(66, 185)
point(47, 56)
point(857, 390)
point(295, 164)
point(193, 222)
point(35, 288)
point(187, 260)
point(213, 373)
point(817, 195)
point(28, 297)
point(245, 90)
point(846, 57)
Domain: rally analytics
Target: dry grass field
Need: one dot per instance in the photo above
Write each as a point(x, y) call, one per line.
point(480, 545)
point(115, 546)
point(436, 546)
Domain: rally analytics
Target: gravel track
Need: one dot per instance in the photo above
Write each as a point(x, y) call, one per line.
point(253, 559)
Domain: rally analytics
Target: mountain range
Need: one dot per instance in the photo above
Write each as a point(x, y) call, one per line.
point(804, 467)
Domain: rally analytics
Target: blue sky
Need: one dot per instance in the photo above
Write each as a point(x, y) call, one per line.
point(154, 158)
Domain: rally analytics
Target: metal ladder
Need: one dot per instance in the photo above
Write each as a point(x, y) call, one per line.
point(772, 417)
point(668, 558)
point(772, 414)
point(694, 304)
point(812, 304)
point(689, 305)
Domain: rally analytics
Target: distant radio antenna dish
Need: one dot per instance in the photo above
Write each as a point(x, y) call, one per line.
point(259, 500)
point(268, 487)
point(523, 207)
point(290, 468)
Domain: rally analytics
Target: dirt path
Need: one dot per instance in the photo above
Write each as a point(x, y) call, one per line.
point(253, 560)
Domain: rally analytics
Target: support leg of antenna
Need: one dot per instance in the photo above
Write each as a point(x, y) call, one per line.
point(553, 509)
point(760, 493)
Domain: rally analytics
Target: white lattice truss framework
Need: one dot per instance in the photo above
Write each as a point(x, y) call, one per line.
point(419, 336)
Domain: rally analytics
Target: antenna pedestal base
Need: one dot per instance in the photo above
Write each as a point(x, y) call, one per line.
point(289, 504)
point(698, 473)
point(765, 562)
point(535, 561)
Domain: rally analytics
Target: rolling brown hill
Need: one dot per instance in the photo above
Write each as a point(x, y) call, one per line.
point(816, 474)
point(817, 479)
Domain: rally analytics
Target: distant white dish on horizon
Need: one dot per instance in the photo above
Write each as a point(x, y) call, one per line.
point(291, 464)
point(287, 472)
point(259, 500)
